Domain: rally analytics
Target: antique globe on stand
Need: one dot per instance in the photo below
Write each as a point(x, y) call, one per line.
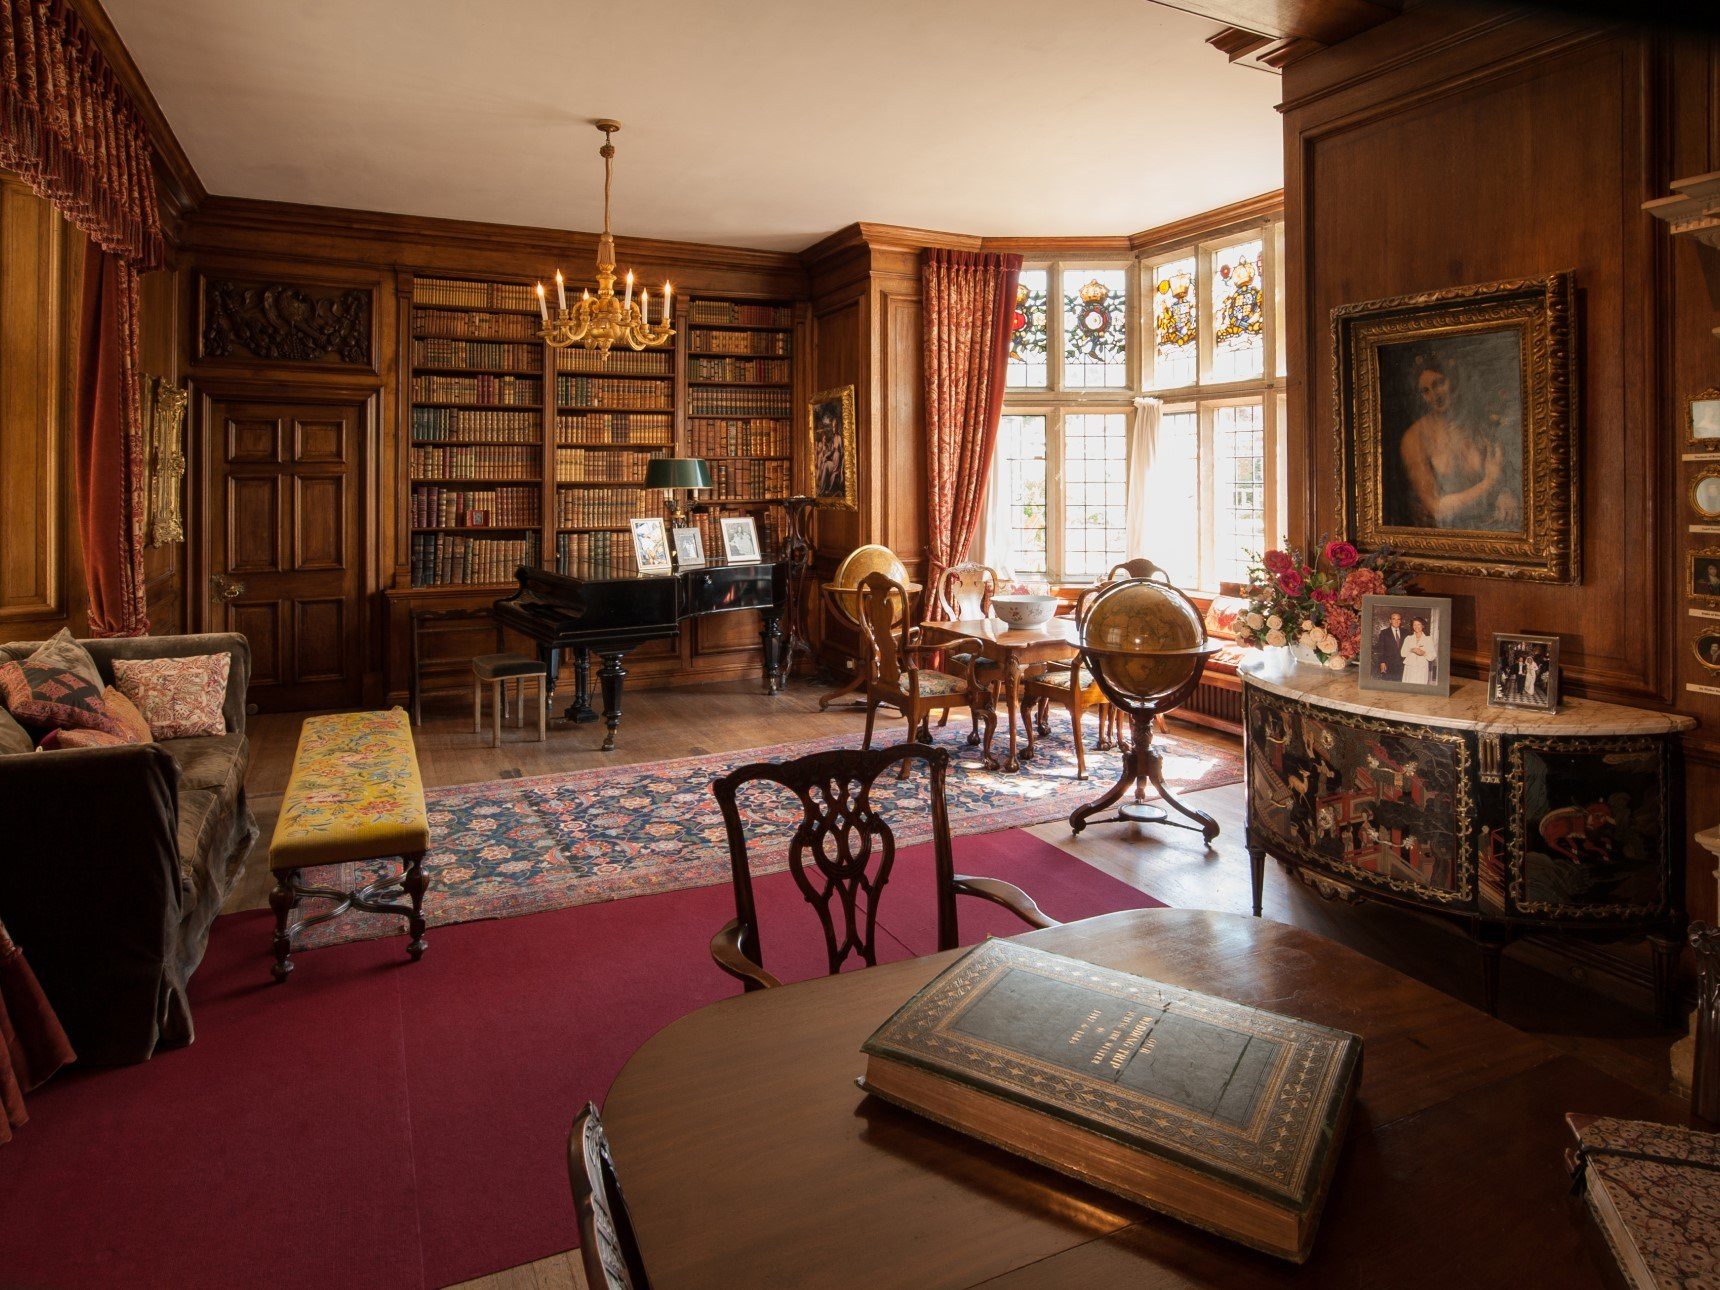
point(1145, 644)
point(842, 600)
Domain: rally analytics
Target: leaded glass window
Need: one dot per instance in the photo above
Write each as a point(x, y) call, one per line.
point(1095, 491)
point(1174, 501)
point(1021, 456)
point(1030, 341)
point(1176, 311)
point(1095, 335)
point(1238, 311)
point(1239, 491)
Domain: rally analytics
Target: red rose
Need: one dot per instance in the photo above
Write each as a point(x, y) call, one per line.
point(1290, 582)
point(1277, 562)
point(1323, 595)
point(1341, 554)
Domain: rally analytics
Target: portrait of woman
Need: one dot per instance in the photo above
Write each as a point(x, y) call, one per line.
point(1420, 653)
point(830, 426)
point(1452, 428)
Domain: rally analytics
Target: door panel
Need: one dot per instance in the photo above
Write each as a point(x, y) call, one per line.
point(288, 546)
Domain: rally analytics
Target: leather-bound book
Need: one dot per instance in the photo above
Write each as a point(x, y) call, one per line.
point(1223, 1116)
point(1654, 1190)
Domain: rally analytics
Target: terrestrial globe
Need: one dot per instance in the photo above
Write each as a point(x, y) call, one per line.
point(845, 582)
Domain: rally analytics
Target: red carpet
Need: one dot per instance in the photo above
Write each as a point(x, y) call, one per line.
point(380, 1123)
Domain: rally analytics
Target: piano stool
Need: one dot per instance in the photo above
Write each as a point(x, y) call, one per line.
point(497, 671)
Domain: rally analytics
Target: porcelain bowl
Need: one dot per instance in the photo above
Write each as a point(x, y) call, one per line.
point(1024, 611)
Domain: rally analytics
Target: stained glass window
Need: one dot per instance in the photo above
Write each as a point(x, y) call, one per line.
point(1238, 312)
point(1239, 487)
point(1021, 452)
point(1095, 491)
point(1175, 323)
point(1174, 498)
point(1028, 369)
point(1095, 344)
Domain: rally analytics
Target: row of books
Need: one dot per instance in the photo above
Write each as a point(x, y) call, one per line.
point(577, 548)
point(475, 461)
point(437, 507)
point(471, 423)
point(772, 528)
point(734, 314)
point(610, 392)
point(738, 369)
point(478, 295)
point(583, 465)
point(600, 507)
point(621, 362)
point(720, 401)
point(450, 559)
point(738, 342)
point(433, 322)
point(513, 357)
point(615, 427)
point(503, 391)
point(749, 479)
point(738, 438)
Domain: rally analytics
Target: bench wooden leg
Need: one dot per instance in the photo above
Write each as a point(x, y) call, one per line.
point(281, 900)
point(498, 702)
point(415, 881)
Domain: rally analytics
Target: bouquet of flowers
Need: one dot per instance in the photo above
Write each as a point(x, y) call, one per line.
point(1315, 600)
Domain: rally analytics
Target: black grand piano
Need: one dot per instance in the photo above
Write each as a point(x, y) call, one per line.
point(606, 607)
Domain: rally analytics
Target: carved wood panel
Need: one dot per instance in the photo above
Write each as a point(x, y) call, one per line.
point(285, 322)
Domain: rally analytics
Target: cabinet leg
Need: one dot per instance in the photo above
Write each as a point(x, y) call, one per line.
point(1491, 952)
point(1257, 873)
point(1667, 950)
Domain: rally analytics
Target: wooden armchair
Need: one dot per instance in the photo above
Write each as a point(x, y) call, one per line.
point(894, 675)
point(841, 856)
point(608, 1248)
point(965, 591)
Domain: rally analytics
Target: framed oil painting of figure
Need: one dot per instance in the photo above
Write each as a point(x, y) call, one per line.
point(1702, 579)
point(1703, 426)
point(1706, 646)
point(1453, 419)
point(830, 427)
point(1705, 494)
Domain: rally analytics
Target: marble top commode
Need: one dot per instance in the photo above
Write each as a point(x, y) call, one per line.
point(1465, 709)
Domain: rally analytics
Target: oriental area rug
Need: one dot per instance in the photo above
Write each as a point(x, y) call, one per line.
point(523, 846)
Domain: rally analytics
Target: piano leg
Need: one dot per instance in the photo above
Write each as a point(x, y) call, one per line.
point(770, 637)
point(580, 710)
point(610, 676)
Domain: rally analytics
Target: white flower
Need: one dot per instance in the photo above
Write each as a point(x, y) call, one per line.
point(1275, 637)
point(1274, 621)
point(1337, 662)
point(1307, 629)
point(1328, 642)
point(1256, 621)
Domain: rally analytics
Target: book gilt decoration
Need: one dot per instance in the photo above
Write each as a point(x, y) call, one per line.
point(283, 322)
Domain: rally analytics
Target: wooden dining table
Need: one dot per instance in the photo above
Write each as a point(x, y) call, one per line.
point(749, 1157)
point(1014, 650)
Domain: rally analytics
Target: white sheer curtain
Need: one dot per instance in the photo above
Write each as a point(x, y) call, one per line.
point(1141, 502)
point(992, 544)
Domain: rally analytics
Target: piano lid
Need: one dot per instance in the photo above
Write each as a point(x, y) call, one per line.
point(621, 566)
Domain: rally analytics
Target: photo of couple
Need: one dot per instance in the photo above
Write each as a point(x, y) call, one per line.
point(1525, 672)
point(1404, 644)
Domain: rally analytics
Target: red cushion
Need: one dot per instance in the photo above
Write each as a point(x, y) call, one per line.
point(52, 698)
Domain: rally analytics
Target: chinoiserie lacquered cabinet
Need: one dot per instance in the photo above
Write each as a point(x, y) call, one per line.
point(1510, 820)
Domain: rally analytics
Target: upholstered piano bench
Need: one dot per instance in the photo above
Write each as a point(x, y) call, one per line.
point(497, 671)
point(354, 794)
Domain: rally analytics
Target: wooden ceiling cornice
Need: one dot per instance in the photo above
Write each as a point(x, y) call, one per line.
point(1324, 21)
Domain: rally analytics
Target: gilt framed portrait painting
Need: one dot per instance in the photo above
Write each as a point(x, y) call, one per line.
point(1454, 429)
point(830, 431)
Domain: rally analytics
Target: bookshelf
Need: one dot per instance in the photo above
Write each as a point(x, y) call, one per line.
point(521, 454)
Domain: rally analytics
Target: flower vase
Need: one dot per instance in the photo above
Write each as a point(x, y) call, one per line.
point(1303, 654)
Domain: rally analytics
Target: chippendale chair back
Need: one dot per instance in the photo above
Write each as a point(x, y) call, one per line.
point(965, 591)
point(841, 856)
point(608, 1248)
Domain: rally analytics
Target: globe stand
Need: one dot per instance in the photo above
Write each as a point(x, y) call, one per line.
point(1143, 764)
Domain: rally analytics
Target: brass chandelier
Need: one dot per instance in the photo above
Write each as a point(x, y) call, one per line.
point(602, 321)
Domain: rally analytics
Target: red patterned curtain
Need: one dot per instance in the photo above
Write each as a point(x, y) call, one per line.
point(969, 303)
point(73, 135)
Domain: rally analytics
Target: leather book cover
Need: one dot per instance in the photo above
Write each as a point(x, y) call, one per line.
point(1223, 1115)
point(1654, 1190)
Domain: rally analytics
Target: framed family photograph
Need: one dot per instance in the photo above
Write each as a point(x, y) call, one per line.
point(1454, 431)
point(689, 547)
point(651, 546)
point(1406, 644)
point(1704, 579)
point(1704, 424)
point(830, 428)
point(740, 540)
point(1524, 672)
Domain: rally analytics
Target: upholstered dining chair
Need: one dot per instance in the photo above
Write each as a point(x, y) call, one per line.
point(841, 856)
point(895, 675)
point(607, 1247)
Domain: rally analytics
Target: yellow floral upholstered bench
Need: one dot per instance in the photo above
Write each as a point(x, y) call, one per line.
point(354, 794)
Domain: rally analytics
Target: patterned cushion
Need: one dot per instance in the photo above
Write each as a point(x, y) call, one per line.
point(61, 737)
point(179, 697)
point(53, 698)
point(941, 683)
point(129, 717)
point(13, 737)
point(1221, 616)
point(354, 793)
point(62, 653)
point(1226, 660)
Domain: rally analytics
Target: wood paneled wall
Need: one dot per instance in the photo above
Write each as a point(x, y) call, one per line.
point(1458, 145)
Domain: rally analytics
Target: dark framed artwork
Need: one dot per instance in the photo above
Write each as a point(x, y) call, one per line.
point(1453, 418)
point(1702, 579)
point(1524, 672)
point(830, 431)
point(1706, 646)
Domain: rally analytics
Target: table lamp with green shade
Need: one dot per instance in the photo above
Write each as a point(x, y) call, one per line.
point(672, 473)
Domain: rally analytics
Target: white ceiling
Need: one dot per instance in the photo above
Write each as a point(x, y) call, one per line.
point(766, 123)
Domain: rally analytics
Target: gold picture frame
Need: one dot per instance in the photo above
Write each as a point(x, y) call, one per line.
point(1702, 576)
point(1453, 423)
point(831, 456)
point(1702, 420)
point(164, 460)
point(1699, 491)
point(1705, 644)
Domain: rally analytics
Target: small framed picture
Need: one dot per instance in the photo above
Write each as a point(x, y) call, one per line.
point(651, 546)
point(1705, 493)
point(1706, 646)
point(1406, 644)
point(689, 548)
point(1704, 427)
point(1524, 672)
point(740, 540)
point(1704, 581)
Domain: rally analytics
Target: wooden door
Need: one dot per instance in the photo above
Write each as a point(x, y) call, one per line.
point(286, 546)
